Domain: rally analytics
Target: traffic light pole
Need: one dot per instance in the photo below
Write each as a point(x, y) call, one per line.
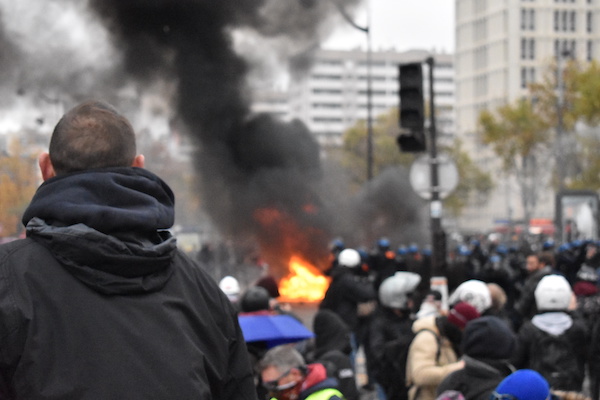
point(438, 237)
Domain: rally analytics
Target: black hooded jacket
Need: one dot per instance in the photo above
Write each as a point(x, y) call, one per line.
point(98, 303)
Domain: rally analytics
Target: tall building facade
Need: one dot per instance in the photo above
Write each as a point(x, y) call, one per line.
point(501, 47)
point(332, 96)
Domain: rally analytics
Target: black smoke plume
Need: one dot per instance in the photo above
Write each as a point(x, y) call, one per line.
point(260, 178)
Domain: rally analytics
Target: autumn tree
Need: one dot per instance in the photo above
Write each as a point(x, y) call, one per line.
point(472, 181)
point(518, 136)
point(18, 182)
point(577, 104)
point(387, 153)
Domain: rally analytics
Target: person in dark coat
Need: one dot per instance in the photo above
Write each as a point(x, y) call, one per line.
point(348, 289)
point(97, 302)
point(538, 266)
point(487, 345)
point(391, 333)
point(333, 349)
point(553, 342)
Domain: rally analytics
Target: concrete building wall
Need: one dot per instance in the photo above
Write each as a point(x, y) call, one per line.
point(501, 47)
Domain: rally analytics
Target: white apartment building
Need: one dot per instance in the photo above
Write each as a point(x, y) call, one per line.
point(332, 96)
point(502, 46)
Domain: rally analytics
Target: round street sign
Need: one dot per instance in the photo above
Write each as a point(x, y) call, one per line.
point(420, 176)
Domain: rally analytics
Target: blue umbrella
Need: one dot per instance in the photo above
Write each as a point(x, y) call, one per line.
point(273, 329)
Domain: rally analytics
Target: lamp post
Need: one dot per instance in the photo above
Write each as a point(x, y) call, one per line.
point(367, 31)
point(560, 130)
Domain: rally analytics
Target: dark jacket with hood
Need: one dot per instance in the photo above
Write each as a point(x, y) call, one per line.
point(344, 294)
point(556, 345)
point(98, 303)
point(487, 345)
point(333, 348)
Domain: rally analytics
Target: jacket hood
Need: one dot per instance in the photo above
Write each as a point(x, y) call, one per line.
point(487, 367)
point(106, 228)
point(488, 337)
point(108, 200)
point(316, 379)
point(554, 323)
point(331, 333)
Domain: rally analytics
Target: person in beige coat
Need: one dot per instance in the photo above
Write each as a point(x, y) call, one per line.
point(433, 353)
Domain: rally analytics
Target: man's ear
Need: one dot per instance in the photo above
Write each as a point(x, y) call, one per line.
point(46, 166)
point(139, 161)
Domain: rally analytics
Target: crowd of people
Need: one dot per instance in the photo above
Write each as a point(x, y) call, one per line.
point(508, 310)
point(98, 302)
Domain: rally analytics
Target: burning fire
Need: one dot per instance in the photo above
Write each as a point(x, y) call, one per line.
point(304, 283)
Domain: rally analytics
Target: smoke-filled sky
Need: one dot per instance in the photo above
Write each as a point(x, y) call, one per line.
point(259, 178)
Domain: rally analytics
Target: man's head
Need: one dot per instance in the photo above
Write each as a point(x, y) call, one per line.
point(90, 135)
point(533, 263)
point(282, 370)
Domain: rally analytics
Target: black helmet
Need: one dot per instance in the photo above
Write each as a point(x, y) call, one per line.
point(255, 298)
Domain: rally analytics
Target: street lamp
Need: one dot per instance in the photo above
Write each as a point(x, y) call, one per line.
point(560, 129)
point(367, 31)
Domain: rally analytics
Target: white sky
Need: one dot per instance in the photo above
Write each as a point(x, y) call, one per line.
point(401, 24)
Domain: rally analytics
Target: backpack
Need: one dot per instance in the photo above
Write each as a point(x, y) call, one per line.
point(392, 374)
point(554, 358)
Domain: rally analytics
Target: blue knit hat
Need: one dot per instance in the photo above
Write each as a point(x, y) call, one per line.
point(524, 384)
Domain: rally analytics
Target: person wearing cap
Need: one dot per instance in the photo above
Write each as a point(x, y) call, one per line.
point(524, 384)
point(286, 376)
point(553, 342)
point(474, 292)
point(433, 354)
point(487, 345)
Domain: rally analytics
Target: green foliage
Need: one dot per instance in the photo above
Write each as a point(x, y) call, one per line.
point(385, 150)
point(588, 175)
point(514, 131)
point(386, 153)
point(472, 180)
point(587, 102)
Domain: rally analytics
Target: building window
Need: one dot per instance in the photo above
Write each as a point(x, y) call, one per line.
point(588, 24)
point(527, 49)
point(573, 21)
point(556, 21)
point(523, 77)
point(557, 48)
point(589, 50)
point(532, 19)
point(523, 19)
point(532, 75)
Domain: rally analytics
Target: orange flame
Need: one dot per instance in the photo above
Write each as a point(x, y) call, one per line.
point(304, 283)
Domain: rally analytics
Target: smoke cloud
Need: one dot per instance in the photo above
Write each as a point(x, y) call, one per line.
point(260, 178)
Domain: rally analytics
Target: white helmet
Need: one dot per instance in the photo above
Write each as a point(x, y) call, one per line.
point(349, 258)
point(553, 292)
point(474, 292)
point(230, 286)
point(393, 292)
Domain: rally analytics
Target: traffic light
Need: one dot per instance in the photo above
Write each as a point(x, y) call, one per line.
point(412, 107)
point(413, 142)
